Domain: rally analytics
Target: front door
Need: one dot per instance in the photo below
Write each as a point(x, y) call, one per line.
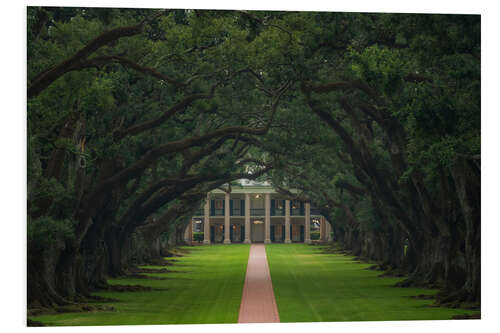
point(272, 233)
point(258, 232)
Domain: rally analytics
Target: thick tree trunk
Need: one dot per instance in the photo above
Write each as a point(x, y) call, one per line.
point(41, 273)
point(145, 248)
point(467, 178)
point(116, 246)
point(94, 256)
point(338, 234)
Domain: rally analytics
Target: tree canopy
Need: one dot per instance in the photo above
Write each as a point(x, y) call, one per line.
point(135, 114)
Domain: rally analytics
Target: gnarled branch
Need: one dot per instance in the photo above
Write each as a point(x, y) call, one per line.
point(47, 77)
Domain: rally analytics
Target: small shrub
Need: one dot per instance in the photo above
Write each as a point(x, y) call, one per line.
point(198, 236)
point(314, 235)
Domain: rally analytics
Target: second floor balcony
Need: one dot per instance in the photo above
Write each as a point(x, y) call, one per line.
point(275, 210)
point(257, 211)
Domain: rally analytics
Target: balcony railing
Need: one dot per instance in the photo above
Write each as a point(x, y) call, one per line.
point(277, 212)
point(237, 212)
point(218, 212)
point(257, 212)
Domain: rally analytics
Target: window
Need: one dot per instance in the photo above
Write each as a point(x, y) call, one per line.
point(218, 204)
point(279, 204)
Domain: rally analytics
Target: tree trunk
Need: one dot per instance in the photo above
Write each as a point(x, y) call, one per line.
point(467, 179)
point(41, 273)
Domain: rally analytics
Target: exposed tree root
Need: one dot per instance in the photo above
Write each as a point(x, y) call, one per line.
point(146, 277)
point(132, 288)
point(149, 270)
point(424, 296)
point(36, 311)
point(33, 323)
point(393, 272)
point(157, 262)
point(458, 299)
point(334, 249)
point(68, 308)
point(177, 252)
point(412, 282)
point(451, 297)
point(100, 299)
point(377, 267)
point(467, 316)
point(84, 308)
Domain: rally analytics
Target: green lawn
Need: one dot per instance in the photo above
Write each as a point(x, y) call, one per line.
point(207, 284)
point(206, 288)
point(310, 286)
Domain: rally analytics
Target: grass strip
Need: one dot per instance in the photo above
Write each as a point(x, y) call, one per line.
point(205, 287)
point(313, 287)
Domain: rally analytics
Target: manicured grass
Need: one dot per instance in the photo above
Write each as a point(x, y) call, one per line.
point(206, 288)
point(310, 286)
point(207, 285)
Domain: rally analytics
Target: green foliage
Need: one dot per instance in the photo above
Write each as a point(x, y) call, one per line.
point(381, 67)
point(50, 188)
point(198, 236)
point(315, 235)
point(399, 128)
point(46, 231)
point(364, 214)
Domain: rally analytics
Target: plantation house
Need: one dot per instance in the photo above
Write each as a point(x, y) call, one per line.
point(255, 213)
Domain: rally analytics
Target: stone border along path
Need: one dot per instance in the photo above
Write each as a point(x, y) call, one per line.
point(258, 304)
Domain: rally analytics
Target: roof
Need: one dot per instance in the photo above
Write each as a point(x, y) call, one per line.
point(254, 188)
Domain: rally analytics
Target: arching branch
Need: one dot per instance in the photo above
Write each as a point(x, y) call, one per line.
point(98, 62)
point(183, 104)
point(47, 77)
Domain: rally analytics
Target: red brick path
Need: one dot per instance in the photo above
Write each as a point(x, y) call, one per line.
point(257, 303)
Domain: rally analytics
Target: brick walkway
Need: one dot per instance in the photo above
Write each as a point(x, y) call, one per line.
point(257, 303)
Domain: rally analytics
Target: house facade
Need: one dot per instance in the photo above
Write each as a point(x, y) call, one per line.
point(255, 214)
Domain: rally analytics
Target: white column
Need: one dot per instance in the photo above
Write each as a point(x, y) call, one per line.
point(307, 226)
point(191, 231)
point(287, 221)
point(267, 206)
point(227, 225)
point(322, 227)
point(206, 221)
point(191, 226)
point(247, 219)
point(328, 231)
point(186, 233)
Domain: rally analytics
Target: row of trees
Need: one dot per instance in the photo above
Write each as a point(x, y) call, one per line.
point(394, 158)
point(134, 115)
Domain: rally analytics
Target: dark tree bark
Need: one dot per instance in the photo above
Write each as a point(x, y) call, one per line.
point(467, 179)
